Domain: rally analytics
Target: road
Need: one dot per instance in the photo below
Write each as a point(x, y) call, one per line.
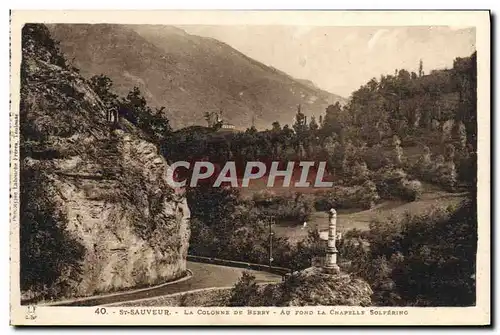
point(204, 276)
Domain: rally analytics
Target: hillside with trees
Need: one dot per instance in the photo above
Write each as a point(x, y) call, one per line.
point(416, 122)
point(395, 138)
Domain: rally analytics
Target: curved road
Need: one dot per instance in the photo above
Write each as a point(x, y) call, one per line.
point(204, 276)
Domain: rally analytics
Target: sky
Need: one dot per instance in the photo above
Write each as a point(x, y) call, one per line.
point(341, 59)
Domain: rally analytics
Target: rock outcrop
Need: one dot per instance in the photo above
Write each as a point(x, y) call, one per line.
point(108, 188)
point(309, 287)
point(313, 287)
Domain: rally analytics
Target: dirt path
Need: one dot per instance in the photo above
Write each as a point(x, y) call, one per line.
point(204, 276)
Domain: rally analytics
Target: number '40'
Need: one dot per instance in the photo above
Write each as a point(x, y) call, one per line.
point(101, 310)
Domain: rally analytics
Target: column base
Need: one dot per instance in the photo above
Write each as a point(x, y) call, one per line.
point(332, 269)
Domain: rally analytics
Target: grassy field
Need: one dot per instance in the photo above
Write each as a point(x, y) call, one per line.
point(350, 219)
point(361, 219)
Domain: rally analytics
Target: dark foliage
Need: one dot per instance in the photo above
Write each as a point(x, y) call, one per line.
point(49, 256)
point(37, 37)
point(244, 291)
point(422, 260)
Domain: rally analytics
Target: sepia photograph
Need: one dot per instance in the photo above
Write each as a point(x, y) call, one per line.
point(269, 169)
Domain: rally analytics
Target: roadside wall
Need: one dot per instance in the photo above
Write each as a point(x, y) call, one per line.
point(207, 297)
point(245, 265)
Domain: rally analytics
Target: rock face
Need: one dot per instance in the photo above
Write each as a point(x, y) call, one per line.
point(133, 227)
point(107, 186)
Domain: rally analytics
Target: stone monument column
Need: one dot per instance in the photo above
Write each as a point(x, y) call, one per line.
point(331, 250)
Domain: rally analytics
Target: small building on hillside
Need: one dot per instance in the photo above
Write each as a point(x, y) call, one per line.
point(215, 120)
point(226, 125)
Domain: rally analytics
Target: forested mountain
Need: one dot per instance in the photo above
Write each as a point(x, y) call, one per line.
point(188, 74)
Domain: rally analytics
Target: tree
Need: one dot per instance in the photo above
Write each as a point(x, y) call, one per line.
point(103, 85)
point(397, 151)
point(160, 125)
point(209, 118)
point(329, 145)
point(300, 126)
point(439, 265)
point(135, 109)
point(448, 173)
point(449, 152)
point(313, 125)
point(465, 76)
point(307, 250)
point(332, 120)
point(423, 166)
point(301, 129)
point(276, 127)
point(252, 130)
point(212, 205)
point(420, 68)
point(360, 173)
point(461, 135)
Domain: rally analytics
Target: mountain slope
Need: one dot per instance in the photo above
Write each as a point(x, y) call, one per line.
point(188, 74)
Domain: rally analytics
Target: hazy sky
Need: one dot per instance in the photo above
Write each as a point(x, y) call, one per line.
point(340, 59)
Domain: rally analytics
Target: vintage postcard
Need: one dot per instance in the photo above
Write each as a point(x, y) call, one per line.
point(250, 168)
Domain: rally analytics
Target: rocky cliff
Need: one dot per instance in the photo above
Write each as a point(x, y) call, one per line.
point(96, 212)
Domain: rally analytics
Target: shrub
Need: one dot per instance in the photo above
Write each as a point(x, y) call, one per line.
point(442, 171)
point(203, 241)
point(411, 190)
point(423, 167)
point(388, 181)
point(447, 175)
point(368, 195)
point(359, 173)
point(308, 249)
point(394, 183)
point(466, 168)
point(294, 207)
point(397, 151)
point(244, 291)
point(375, 158)
point(355, 233)
point(342, 197)
point(263, 197)
point(422, 260)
